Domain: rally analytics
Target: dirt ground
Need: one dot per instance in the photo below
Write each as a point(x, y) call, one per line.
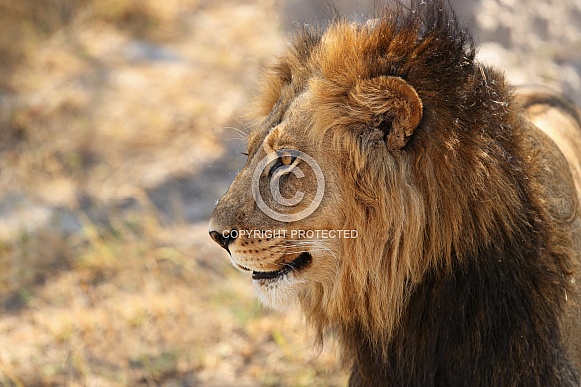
point(121, 124)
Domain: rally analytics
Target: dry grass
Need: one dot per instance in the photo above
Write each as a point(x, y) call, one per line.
point(113, 150)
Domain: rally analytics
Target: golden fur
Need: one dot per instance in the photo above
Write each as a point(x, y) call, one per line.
point(467, 215)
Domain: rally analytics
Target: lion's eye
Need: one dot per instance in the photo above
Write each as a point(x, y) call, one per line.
point(284, 158)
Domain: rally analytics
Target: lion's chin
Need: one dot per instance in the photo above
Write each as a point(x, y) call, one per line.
point(280, 289)
point(281, 293)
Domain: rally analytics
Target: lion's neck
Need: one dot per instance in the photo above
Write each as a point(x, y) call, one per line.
point(469, 326)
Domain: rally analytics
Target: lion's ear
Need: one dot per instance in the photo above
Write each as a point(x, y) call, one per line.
point(391, 105)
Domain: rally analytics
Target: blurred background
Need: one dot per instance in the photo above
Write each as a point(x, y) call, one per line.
point(121, 124)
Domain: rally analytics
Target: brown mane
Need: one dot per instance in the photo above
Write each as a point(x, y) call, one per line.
point(459, 248)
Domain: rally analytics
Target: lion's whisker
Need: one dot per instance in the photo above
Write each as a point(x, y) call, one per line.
point(235, 139)
point(246, 127)
point(238, 130)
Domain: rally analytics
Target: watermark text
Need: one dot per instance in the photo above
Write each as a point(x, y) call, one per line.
point(292, 234)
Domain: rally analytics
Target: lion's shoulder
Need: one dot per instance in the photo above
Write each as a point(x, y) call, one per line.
point(555, 143)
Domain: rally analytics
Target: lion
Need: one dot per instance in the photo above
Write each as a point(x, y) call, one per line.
point(445, 249)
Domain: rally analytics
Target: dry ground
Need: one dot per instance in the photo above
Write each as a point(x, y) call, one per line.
point(120, 125)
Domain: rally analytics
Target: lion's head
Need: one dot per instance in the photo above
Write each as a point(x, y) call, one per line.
point(387, 110)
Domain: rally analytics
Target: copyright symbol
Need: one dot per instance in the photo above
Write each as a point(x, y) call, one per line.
point(274, 186)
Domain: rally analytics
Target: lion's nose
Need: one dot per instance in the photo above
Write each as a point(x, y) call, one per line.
point(224, 238)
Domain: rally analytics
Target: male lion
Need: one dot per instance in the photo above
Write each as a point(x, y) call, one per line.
point(462, 196)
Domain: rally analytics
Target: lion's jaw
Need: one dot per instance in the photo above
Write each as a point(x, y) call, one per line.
point(288, 291)
point(284, 271)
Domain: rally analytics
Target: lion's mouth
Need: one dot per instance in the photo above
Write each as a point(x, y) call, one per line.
point(298, 264)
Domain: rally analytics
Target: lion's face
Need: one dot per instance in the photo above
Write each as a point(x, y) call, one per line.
point(284, 238)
